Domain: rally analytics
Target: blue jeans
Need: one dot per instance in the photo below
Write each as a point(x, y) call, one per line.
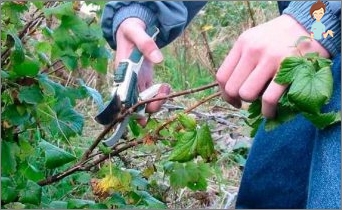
point(295, 165)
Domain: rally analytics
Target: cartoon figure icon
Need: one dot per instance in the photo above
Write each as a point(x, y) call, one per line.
point(317, 11)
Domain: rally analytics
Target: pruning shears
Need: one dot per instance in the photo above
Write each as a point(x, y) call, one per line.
point(125, 92)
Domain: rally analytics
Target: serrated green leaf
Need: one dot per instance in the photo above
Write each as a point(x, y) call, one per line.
point(310, 89)
point(289, 67)
point(8, 190)
point(187, 121)
point(8, 159)
point(323, 120)
point(179, 176)
point(62, 119)
point(27, 68)
point(31, 194)
point(55, 156)
point(30, 94)
point(205, 144)
point(48, 32)
point(183, 152)
point(323, 62)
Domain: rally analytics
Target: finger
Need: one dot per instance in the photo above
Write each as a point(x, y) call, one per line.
point(155, 106)
point(256, 82)
point(240, 74)
point(142, 121)
point(270, 99)
point(145, 75)
point(227, 67)
point(123, 50)
point(144, 43)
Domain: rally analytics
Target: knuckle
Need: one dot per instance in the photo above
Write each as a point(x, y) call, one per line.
point(247, 94)
point(269, 100)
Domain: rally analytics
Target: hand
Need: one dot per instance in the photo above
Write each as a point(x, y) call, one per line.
point(331, 33)
point(131, 33)
point(249, 69)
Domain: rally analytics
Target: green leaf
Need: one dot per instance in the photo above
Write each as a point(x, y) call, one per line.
point(79, 204)
point(183, 151)
point(205, 144)
point(32, 193)
point(190, 174)
point(46, 86)
point(323, 62)
point(30, 94)
point(54, 156)
point(27, 68)
point(289, 67)
point(310, 90)
point(187, 121)
point(94, 94)
point(283, 115)
point(30, 172)
point(62, 119)
point(137, 180)
point(198, 178)
point(70, 61)
point(60, 10)
point(117, 200)
point(100, 65)
point(58, 205)
point(254, 109)
point(323, 120)
point(18, 54)
point(134, 127)
point(8, 190)
point(150, 201)
point(13, 114)
point(8, 159)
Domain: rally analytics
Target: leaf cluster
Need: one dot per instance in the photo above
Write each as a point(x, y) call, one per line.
point(310, 85)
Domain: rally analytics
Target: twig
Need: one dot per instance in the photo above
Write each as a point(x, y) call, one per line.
point(209, 52)
point(251, 13)
point(117, 149)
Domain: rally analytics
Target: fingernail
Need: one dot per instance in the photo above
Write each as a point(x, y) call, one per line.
point(156, 56)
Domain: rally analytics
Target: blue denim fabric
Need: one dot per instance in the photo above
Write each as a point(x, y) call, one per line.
point(295, 165)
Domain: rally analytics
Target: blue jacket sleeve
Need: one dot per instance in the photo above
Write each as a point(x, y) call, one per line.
point(300, 10)
point(170, 16)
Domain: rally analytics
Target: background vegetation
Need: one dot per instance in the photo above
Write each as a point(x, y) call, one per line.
point(55, 75)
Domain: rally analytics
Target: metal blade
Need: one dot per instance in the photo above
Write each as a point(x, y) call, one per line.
point(120, 129)
point(110, 112)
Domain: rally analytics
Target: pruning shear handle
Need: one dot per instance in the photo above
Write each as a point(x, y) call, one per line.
point(125, 91)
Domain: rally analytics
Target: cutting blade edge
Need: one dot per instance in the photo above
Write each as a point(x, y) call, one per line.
point(119, 130)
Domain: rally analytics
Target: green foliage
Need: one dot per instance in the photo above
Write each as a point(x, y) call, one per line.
point(310, 87)
point(38, 112)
